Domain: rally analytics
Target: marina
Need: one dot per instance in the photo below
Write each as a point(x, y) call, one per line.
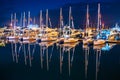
point(31, 50)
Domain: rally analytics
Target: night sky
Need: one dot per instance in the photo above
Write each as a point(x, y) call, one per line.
point(34, 6)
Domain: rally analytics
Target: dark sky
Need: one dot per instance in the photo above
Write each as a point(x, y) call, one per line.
point(10, 6)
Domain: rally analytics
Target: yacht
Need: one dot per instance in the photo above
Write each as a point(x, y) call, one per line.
point(13, 35)
point(66, 36)
point(46, 34)
point(27, 34)
point(99, 41)
point(88, 38)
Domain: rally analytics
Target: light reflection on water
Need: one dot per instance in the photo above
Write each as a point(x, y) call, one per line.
point(66, 55)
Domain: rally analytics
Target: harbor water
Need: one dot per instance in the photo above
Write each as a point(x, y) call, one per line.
point(52, 61)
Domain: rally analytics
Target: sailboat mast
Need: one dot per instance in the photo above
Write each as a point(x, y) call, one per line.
point(61, 23)
point(34, 21)
point(11, 19)
point(69, 14)
point(28, 18)
point(41, 18)
point(47, 18)
point(24, 19)
point(98, 23)
point(100, 18)
point(21, 20)
point(61, 17)
point(14, 20)
point(50, 23)
point(14, 23)
point(87, 17)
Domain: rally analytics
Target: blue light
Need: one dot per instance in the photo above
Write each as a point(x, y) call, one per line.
point(116, 27)
point(106, 48)
point(103, 34)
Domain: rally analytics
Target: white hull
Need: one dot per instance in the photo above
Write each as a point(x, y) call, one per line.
point(12, 38)
point(69, 40)
point(99, 42)
point(47, 39)
point(87, 41)
point(27, 38)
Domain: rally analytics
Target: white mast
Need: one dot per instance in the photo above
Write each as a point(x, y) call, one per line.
point(34, 21)
point(98, 23)
point(11, 20)
point(87, 17)
point(14, 23)
point(50, 23)
point(47, 18)
point(69, 15)
point(21, 20)
point(28, 18)
point(72, 22)
point(61, 18)
point(24, 19)
point(69, 19)
point(14, 20)
point(41, 18)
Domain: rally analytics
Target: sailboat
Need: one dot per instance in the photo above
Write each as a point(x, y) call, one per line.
point(13, 35)
point(88, 39)
point(66, 37)
point(44, 35)
point(26, 33)
point(114, 36)
point(99, 41)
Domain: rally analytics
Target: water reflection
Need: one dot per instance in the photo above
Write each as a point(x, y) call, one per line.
point(97, 51)
point(67, 49)
point(19, 48)
point(45, 51)
point(44, 46)
point(2, 43)
point(86, 51)
point(14, 51)
point(108, 46)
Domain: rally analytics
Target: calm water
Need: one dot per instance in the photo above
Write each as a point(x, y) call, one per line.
point(21, 61)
